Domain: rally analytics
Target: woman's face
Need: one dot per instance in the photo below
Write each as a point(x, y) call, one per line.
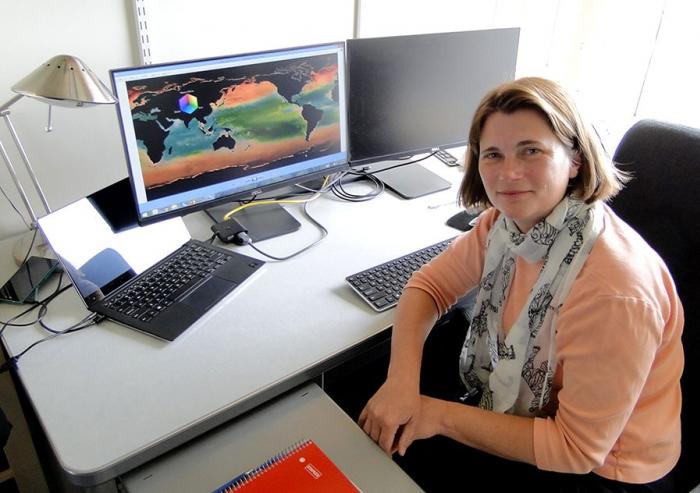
point(524, 167)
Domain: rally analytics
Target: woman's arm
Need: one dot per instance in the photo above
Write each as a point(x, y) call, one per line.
point(398, 398)
point(499, 434)
point(397, 415)
point(428, 294)
point(608, 351)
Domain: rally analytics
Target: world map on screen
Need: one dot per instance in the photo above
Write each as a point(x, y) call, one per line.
point(234, 120)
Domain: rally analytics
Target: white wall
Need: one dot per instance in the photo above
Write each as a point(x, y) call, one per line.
point(84, 151)
point(242, 27)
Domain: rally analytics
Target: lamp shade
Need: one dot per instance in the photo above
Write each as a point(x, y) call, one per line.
point(64, 80)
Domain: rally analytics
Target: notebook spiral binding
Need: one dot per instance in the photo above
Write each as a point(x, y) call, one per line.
point(242, 479)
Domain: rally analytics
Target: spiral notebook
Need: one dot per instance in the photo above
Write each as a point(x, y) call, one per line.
point(304, 467)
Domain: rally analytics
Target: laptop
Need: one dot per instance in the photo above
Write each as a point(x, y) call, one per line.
point(154, 278)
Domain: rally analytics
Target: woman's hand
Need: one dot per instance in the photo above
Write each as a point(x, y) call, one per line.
point(425, 423)
point(394, 405)
point(398, 400)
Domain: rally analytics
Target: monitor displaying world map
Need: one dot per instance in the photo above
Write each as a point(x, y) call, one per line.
point(200, 131)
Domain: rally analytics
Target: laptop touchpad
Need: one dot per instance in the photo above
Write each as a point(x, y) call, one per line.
point(207, 294)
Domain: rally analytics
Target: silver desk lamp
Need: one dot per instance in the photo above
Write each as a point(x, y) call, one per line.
point(63, 80)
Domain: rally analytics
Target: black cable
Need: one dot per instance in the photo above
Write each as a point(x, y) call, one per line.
point(42, 305)
point(45, 302)
point(251, 199)
point(10, 324)
point(31, 245)
point(88, 321)
point(29, 226)
point(90, 316)
point(324, 233)
point(33, 306)
point(338, 188)
point(405, 164)
point(332, 180)
point(56, 291)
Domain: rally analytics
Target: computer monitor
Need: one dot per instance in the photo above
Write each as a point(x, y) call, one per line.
point(412, 94)
point(202, 132)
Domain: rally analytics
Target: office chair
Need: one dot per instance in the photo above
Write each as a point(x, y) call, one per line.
point(662, 202)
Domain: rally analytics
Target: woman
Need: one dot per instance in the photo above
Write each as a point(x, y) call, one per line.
point(573, 354)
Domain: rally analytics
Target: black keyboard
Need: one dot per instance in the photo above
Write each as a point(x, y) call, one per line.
point(153, 292)
point(381, 285)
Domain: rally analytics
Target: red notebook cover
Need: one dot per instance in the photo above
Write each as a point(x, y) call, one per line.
point(302, 468)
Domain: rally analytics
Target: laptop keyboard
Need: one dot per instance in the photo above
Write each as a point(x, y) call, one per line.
point(154, 291)
point(381, 286)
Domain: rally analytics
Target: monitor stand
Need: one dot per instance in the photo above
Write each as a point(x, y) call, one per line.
point(261, 221)
point(410, 181)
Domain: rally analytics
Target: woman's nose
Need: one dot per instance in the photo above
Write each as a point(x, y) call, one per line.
point(511, 168)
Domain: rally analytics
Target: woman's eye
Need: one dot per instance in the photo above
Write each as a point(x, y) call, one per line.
point(531, 151)
point(489, 155)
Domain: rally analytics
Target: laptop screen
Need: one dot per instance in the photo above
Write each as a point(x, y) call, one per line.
point(99, 257)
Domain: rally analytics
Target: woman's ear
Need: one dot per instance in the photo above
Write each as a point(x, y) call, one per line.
point(575, 165)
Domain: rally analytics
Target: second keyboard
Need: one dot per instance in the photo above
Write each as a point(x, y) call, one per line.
point(381, 285)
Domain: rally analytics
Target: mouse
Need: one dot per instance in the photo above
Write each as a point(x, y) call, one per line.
point(463, 220)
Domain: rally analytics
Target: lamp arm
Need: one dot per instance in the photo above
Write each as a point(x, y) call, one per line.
point(18, 184)
point(9, 103)
point(5, 115)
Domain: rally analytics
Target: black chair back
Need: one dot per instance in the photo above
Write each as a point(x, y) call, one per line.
point(662, 202)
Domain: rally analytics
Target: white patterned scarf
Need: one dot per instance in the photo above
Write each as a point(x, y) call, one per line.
point(514, 375)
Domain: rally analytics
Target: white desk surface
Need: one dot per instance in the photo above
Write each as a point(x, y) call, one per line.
point(110, 398)
point(214, 459)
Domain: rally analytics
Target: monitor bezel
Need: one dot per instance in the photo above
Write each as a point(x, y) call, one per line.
point(252, 191)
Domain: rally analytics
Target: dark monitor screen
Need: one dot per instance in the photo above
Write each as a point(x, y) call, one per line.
point(202, 132)
point(411, 94)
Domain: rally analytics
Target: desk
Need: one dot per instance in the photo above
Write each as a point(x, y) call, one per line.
point(110, 399)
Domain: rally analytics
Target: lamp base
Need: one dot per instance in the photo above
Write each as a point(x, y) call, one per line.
point(24, 243)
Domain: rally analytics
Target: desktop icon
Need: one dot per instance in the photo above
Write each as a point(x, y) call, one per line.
point(188, 104)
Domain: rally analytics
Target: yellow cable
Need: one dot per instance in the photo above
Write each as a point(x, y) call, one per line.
point(272, 201)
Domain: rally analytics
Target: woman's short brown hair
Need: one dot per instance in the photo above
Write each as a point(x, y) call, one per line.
point(598, 178)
